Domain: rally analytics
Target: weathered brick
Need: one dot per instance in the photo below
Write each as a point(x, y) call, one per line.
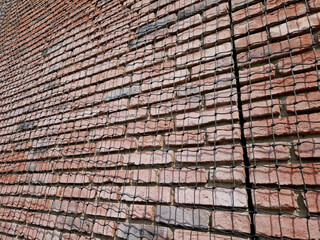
point(247, 12)
point(139, 231)
point(146, 194)
point(107, 209)
point(192, 137)
point(186, 217)
point(156, 25)
point(227, 175)
point(149, 126)
point(232, 221)
point(279, 151)
point(104, 227)
point(214, 197)
point(275, 200)
point(116, 145)
point(261, 109)
point(145, 212)
point(180, 234)
point(286, 174)
point(223, 133)
point(128, 115)
point(112, 176)
point(182, 175)
point(150, 141)
point(108, 192)
point(312, 201)
point(145, 176)
point(223, 153)
point(149, 158)
point(152, 97)
point(308, 148)
point(303, 102)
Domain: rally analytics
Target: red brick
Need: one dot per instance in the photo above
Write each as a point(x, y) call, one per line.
point(303, 61)
point(146, 194)
point(309, 148)
point(214, 197)
point(145, 176)
point(217, 37)
point(247, 12)
point(152, 97)
point(107, 209)
point(178, 105)
point(149, 126)
point(77, 192)
point(287, 226)
point(251, 41)
point(183, 49)
point(283, 126)
point(112, 176)
point(261, 109)
point(110, 131)
point(223, 97)
point(227, 175)
point(183, 138)
point(275, 200)
point(186, 217)
point(116, 145)
point(231, 221)
point(139, 231)
point(149, 158)
point(213, 12)
point(182, 175)
point(314, 4)
point(150, 141)
point(66, 206)
point(104, 227)
point(145, 212)
point(312, 201)
point(108, 192)
point(275, 50)
point(286, 174)
point(207, 116)
point(277, 3)
point(280, 86)
point(295, 26)
point(255, 74)
point(303, 102)
point(74, 223)
point(180, 234)
point(266, 152)
point(221, 153)
point(185, 24)
point(223, 133)
point(128, 115)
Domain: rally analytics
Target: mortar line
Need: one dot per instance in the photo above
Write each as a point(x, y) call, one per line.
point(243, 140)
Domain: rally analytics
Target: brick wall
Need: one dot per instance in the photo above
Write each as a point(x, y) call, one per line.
point(159, 119)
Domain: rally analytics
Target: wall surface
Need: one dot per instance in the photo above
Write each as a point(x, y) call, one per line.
point(159, 119)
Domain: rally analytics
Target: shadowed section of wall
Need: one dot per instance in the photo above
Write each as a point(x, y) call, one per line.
point(159, 119)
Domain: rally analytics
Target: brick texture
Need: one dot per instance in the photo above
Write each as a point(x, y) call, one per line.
point(159, 119)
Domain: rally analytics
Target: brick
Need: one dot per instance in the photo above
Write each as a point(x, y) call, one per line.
point(283, 126)
point(108, 192)
point(180, 234)
point(212, 53)
point(303, 102)
point(149, 158)
point(182, 175)
point(213, 197)
point(213, 67)
point(116, 145)
point(312, 201)
point(183, 49)
point(76, 207)
point(275, 50)
point(110, 209)
point(295, 26)
point(74, 223)
point(277, 3)
point(278, 151)
point(76, 192)
point(286, 226)
point(145, 176)
point(309, 148)
point(150, 141)
point(206, 116)
point(178, 105)
point(213, 83)
point(183, 138)
point(261, 109)
point(303, 61)
point(104, 227)
point(247, 12)
point(149, 126)
point(286, 175)
point(146, 194)
point(223, 133)
point(156, 25)
point(185, 24)
point(145, 212)
point(213, 12)
point(217, 37)
point(275, 200)
point(255, 74)
point(152, 97)
point(280, 86)
point(139, 231)
point(223, 153)
point(227, 175)
point(251, 41)
point(128, 115)
point(179, 216)
point(240, 3)
point(223, 97)
point(112, 176)
point(231, 221)
point(110, 131)
point(314, 4)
